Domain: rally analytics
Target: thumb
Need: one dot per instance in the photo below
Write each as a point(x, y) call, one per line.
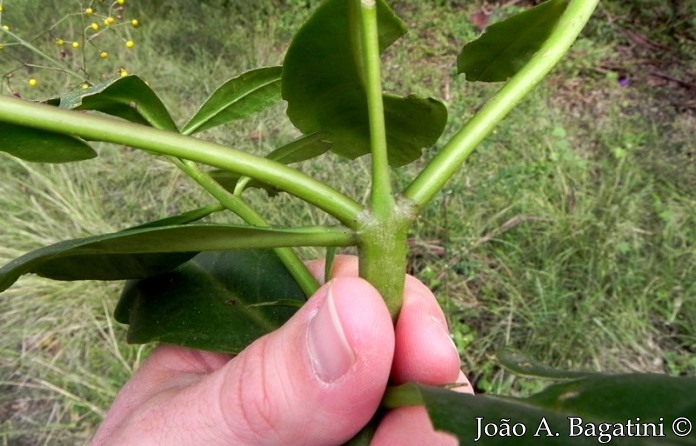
point(319, 378)
point(316, 380)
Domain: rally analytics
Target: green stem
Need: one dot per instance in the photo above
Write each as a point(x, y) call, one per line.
point(235, 204)
point(382, 253)
point(404, 395)
point(457, 150)
point(381, 198)
point(99, 128)
point(384, 227)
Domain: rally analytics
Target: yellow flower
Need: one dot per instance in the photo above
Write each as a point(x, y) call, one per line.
point(122, 72)
point(109, 21)
point(130, 44)
point(94, 26)
point(120, 2)
point(76, 45)
point(32, 82)
point(60, 42)
point(135, 23)
point(5, 28)
point(89, 11)
point(103, 54)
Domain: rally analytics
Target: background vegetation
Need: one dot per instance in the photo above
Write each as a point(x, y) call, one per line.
point(570, 234)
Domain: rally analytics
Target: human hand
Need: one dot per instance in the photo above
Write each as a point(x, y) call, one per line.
point(316, 380)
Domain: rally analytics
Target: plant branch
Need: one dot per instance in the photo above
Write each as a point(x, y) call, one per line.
point(161, 142)
point(382, 254)
point(381, 199)
point(383, 229)
point(235, 204)
point(457, 150)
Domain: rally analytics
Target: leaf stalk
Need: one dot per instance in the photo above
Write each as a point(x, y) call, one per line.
point(381, 199)
point(434, 176)
point(99, 128)
point(235, 204)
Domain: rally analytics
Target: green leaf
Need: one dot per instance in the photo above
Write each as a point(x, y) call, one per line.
point(508, 45)
point(522, 364)
point(561, 410)
point(41, 146)
point(301, 149)
point(127, 97)
point(648, 396)
point(323, 85)
point(219, 301)
point(181, 219)
point(139, 253)
point(237, 98)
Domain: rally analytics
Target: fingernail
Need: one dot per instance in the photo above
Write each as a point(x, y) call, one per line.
point(328, 348)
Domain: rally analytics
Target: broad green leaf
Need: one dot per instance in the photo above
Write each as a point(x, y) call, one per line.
point(237, 98)
point(522, 364)
point(219, 301)
point(41, 146)
point(301, 149)
point(617, 397)
point(139, 253)
point(323, 84)
point(561, 410)
point(181, 219)
point(127, 97)
point(505, 47)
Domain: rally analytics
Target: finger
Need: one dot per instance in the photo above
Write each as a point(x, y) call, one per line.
point(168, 368)
point(425, 354)
point(410, 426)
point(317, 380)
point(342, 266)
point(424, 351)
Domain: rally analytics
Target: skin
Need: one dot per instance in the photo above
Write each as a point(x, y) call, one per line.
point(316, 380)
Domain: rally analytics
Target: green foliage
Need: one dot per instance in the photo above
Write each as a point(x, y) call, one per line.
point(324, 85)
point(238, 98)
point(146, 251)
point(335, 117)
point(301, 149)
point(219, 301)
point(523, 365)
point(128, 97)
point(500, 52)
point(560, 414)
point(41, 146)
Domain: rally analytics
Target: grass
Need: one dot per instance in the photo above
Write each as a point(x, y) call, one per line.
point(569, 234)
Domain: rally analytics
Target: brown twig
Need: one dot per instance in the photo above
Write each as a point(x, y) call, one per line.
point(508, 225)
point(674, 79)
